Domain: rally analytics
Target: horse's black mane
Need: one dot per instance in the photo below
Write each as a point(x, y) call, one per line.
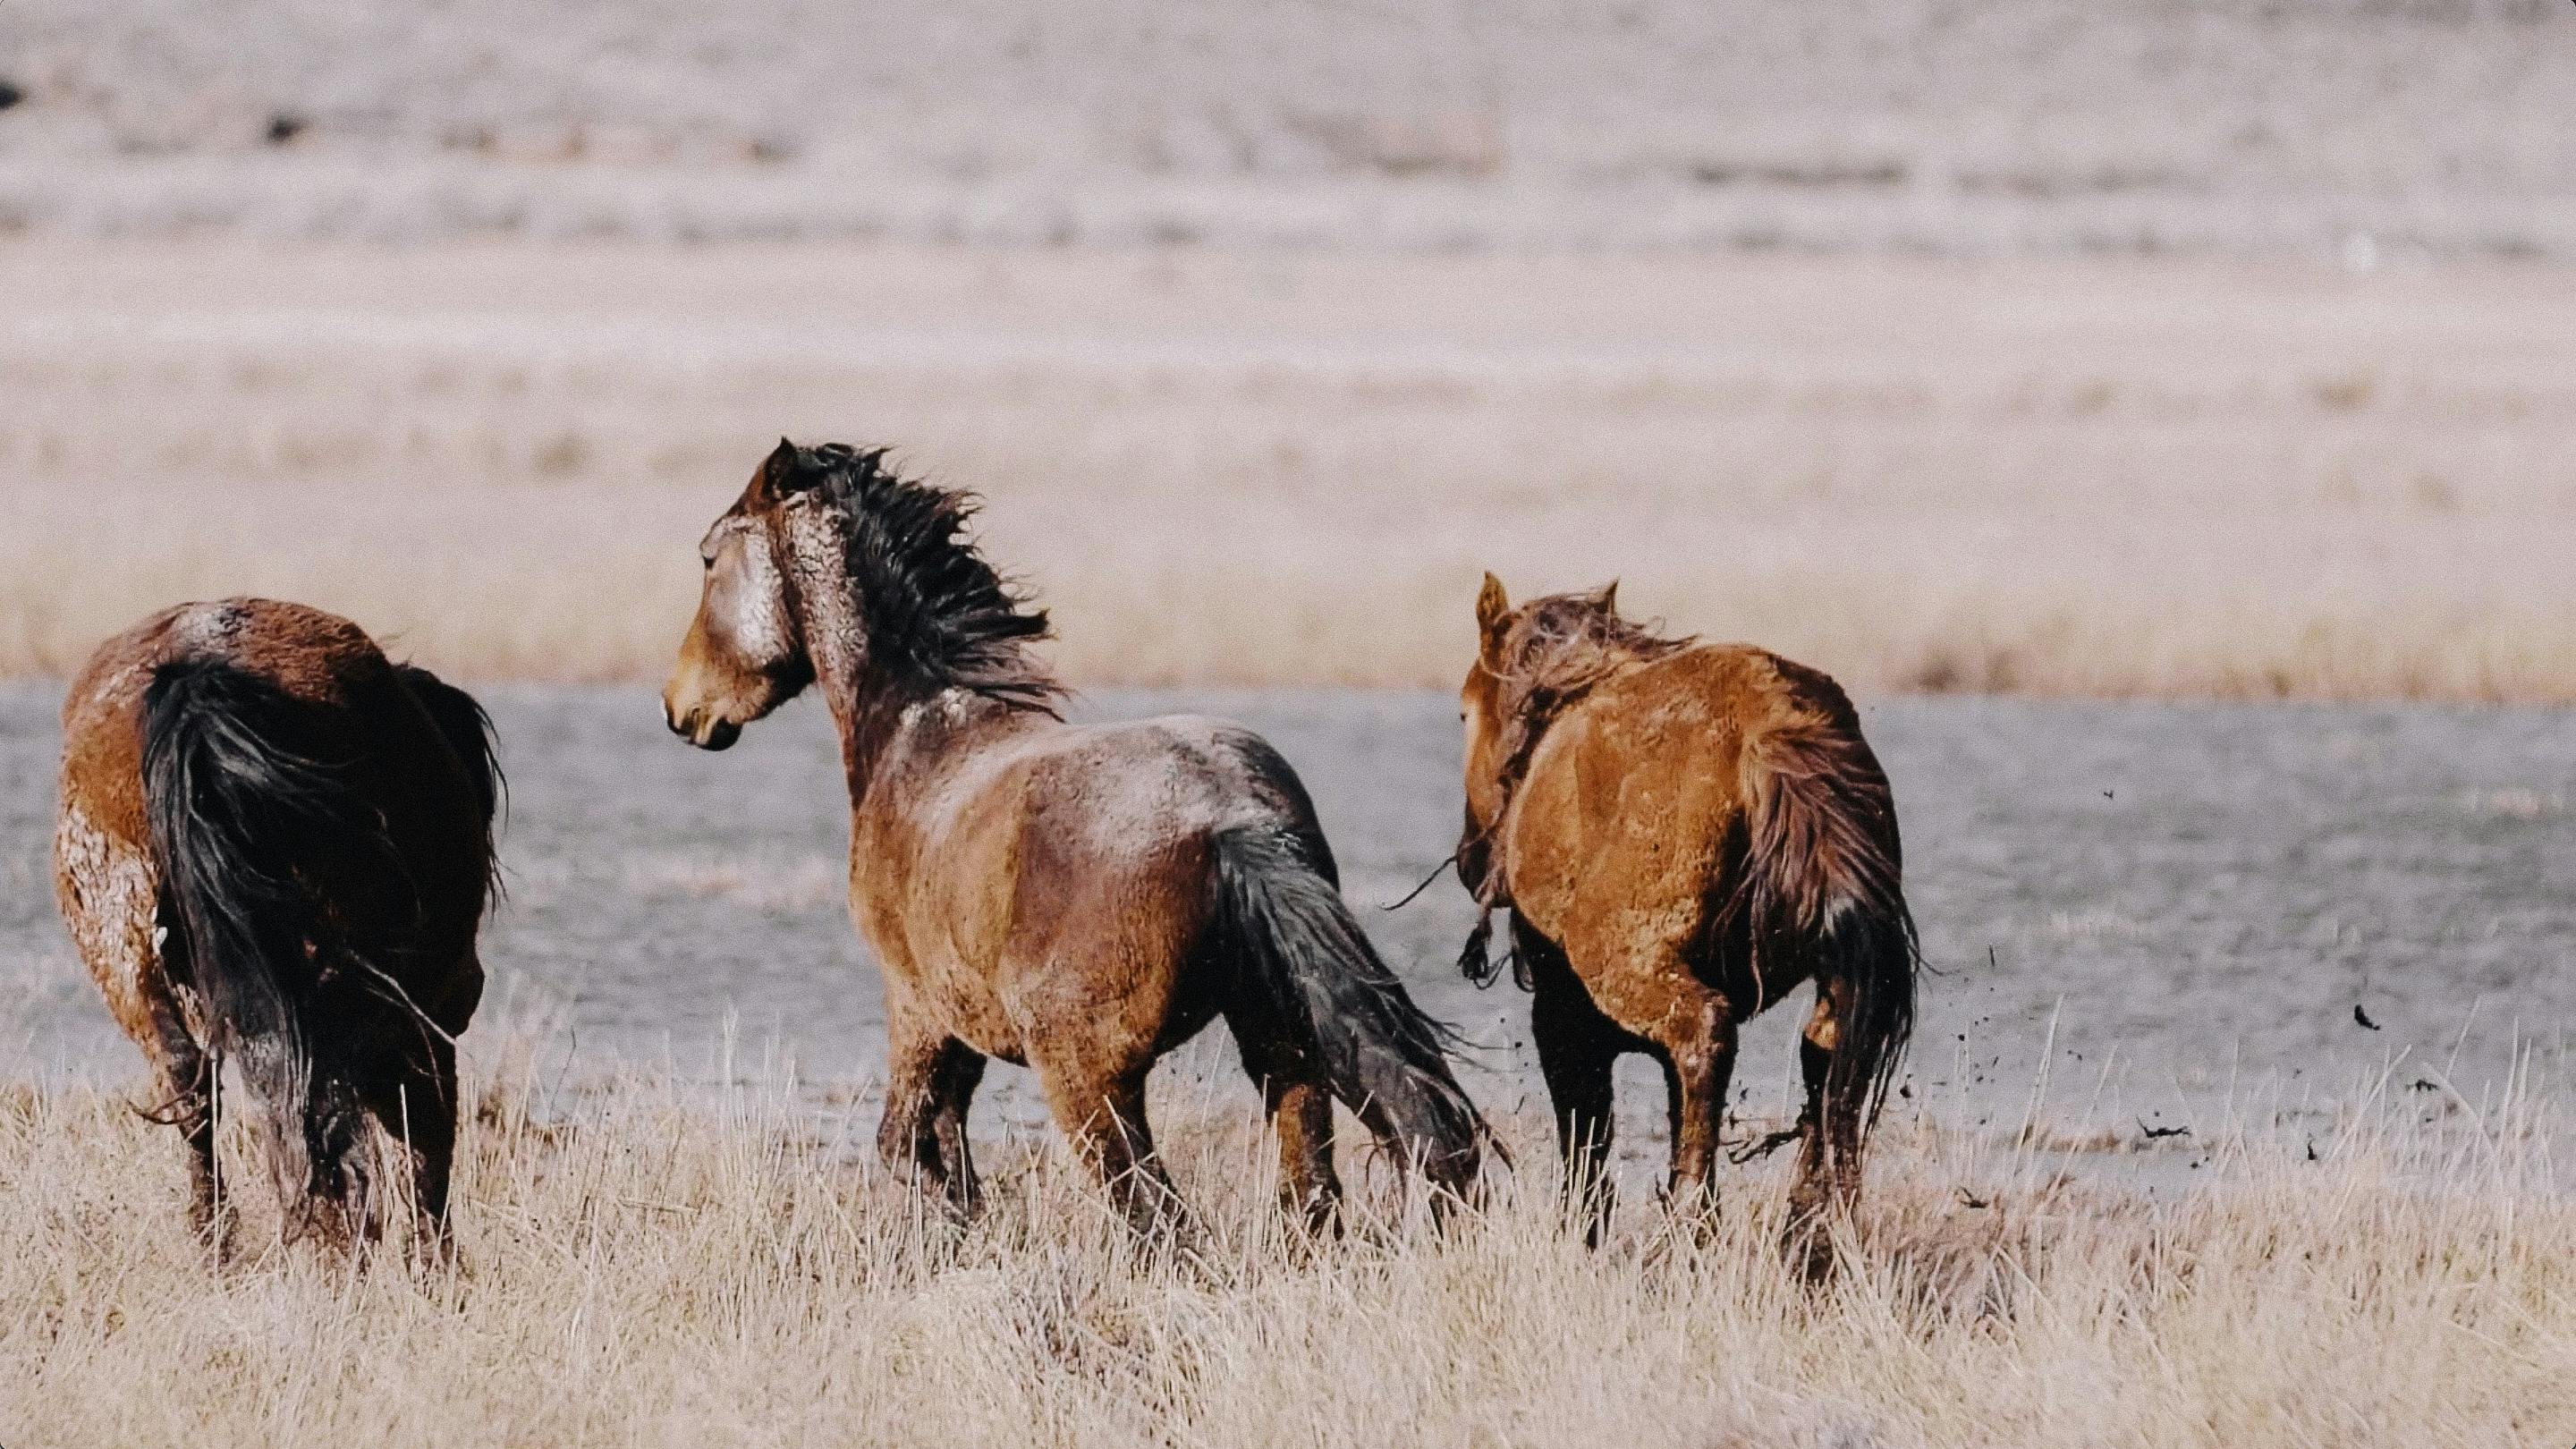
point(937, 616)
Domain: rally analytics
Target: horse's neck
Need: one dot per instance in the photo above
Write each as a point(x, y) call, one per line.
point(862, 711)
point(891, 738)
point(897, 753)
point(907, 786)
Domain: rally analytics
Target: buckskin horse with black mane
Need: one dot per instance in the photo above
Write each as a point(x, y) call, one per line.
point(1078, 898)
point(274, 848)
point(1683, 833)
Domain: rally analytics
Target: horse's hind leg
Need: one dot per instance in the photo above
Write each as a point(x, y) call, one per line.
point(192, 1104)
point(1694, 1031)
point(1105, 1121)
point(953, 1091)
point(1309, 1188)
point(417, 1113)
point(1828, 1131)
point(1301, 1112)
point(1577, 1047)
point(185, 1082)
point(1828, 1145)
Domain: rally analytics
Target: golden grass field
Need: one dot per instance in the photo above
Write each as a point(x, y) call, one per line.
point(2172, 349)
point(642, 1266)
point(2080, 476)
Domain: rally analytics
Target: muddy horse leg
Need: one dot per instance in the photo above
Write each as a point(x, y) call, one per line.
point(1828, 1140)
point(1577, 1047)
point(1309, 1188)
point(953, 1084)
point(1300, 1110)
point(929, 1082)
point(1103, 1115)
point(416, 1110)
point(1693, 1030)
point(185, 1080)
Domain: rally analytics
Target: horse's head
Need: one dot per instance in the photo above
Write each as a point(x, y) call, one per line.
point(1530, 662)
point(745, 653)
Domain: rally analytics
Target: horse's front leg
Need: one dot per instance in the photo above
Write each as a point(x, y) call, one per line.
point(1577, 1048)
point(930, 1079)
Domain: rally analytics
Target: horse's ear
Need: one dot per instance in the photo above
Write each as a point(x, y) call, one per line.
point(783, 471)
point(1493, 610)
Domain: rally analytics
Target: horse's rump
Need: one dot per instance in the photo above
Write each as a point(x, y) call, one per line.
point(1817, 891)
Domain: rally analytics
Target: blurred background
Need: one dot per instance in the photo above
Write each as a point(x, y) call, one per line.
point(2175, 355)
point(2156, 347)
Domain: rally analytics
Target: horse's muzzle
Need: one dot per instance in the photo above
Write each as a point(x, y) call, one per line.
point(704, 732)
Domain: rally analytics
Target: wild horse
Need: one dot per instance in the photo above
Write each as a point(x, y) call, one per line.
point(1683, 833)
point(1078, 898)
point(274, 847)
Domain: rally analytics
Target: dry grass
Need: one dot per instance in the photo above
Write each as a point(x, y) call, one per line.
point(654, 1265)
point(2102, 478)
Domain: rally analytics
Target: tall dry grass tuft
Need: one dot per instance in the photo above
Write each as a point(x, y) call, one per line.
point(656, 1263)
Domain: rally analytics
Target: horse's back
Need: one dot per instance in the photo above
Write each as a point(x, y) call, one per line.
point(1073, 860)
point(1623, 822)
point(1124, 789)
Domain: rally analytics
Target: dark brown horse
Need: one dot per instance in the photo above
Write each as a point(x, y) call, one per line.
point(1683, 833)
point(1079, 899)
point(274, 849)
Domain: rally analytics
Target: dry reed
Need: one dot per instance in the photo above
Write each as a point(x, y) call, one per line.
point(647, 1262)
point(2062, 478)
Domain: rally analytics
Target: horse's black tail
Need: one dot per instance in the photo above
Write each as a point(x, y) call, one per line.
point(1309, 971)
point(467, 728)
point(1823, 878)
point(249, 810)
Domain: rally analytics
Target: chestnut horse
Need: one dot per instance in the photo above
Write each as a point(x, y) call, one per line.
point(1683, 833)
point(274, 848)
point(1078, 899)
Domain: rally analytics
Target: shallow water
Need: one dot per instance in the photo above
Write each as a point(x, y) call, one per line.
point(2178, 907)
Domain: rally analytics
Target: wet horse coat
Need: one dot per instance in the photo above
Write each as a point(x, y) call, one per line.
point(1077, 898)
point(274, 847)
